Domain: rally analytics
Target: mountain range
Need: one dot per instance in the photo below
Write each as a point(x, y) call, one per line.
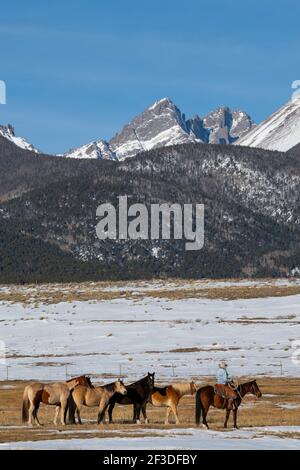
point(162, 124)
point(48, 213)
point(251, 197)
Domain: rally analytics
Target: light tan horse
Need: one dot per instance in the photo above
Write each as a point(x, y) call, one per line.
point(170, 396)
point(57, 394)
point(97, 396)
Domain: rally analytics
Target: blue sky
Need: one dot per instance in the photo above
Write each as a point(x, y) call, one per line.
point(78, 70)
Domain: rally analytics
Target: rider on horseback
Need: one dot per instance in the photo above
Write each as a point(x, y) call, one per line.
point(225, 386)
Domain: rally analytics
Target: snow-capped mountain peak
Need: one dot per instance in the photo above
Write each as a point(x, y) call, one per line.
point(99, 149)
point(280, 131)
point(9, 134)
point(160, 125)
point(162, 102)
point(225, 126)
point(241, 124)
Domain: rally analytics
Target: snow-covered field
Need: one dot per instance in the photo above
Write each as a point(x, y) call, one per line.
point(129, 331)
point(190, 438)
point(175, 338)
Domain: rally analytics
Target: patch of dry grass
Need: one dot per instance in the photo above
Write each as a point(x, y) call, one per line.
point(168, 289)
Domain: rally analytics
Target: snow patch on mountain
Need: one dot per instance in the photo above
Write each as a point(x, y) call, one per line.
point(98, 149)
point(253, 184)
point(280, 131)
point(8, 133)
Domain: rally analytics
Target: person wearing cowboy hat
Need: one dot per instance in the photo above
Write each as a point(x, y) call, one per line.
point(224, 386)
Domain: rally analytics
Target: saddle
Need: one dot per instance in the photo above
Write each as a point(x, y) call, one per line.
point(226, 393)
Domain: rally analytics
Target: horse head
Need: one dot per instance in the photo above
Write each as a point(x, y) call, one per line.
point(193, 388)
point(120, 387)
point(150, 379)
point(254, 389)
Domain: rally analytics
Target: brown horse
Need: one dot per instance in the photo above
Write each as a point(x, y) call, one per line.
point(206, 397)
point(170, 396)
point(97, 396)
point(57, 394)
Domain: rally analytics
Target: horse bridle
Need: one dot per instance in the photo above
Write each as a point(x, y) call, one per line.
point(253, 389)
point(238, 392)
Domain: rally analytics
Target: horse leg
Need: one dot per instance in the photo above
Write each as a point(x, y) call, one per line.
point(167, 415)
point(31, 420)
point(137, 414)
point(134, 416)
point(174, 409)
point(78, 410)
point(110, 411)
point(235, 418)
point(144, 407)
point(227, 417)
point(57, 410)
point(63, 412)
point(35, 416)
point(102, 408)
point(204, 414)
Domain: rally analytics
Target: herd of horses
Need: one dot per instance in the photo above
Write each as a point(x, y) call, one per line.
point(70, 396)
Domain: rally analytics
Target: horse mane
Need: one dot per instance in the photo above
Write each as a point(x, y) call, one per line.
point(241, 387)
point(109, 387)
point(144, 379)
point(89, 382)
point(74, 378)
point(247, 383)
point(87, 379)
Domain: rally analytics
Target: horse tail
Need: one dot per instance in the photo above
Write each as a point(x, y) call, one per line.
point(25, 406)
point(70, 409)
point(198, 408)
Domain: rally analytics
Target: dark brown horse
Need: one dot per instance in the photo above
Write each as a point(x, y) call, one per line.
point(206, 397)
point(138, 395)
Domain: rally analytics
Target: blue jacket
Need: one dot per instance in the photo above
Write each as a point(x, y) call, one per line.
point(222, 376)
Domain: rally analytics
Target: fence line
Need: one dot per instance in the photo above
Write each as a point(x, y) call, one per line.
point(66, 372)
